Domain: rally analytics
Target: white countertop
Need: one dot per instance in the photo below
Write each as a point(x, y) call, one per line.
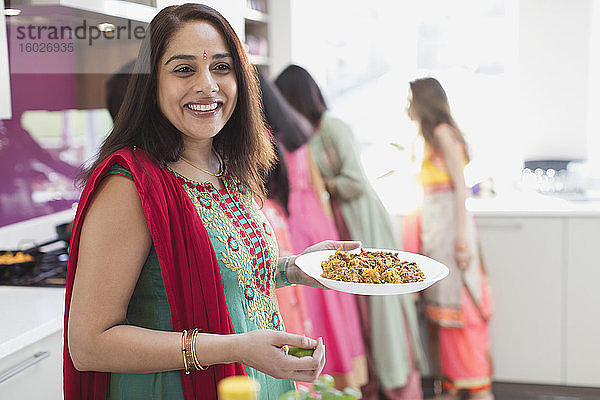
point(521, 204)
point(28, 314)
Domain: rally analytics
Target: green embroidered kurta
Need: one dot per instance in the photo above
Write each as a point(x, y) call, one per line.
point(333, 150)
point(247, 253)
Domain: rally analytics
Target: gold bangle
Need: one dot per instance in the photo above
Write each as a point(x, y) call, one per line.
point(188, 350)
point(195, 357)
point(183, 340)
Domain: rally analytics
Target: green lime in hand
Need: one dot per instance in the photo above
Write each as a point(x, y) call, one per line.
point(300, 352)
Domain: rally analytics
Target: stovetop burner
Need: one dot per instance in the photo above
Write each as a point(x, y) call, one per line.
point(50, 270)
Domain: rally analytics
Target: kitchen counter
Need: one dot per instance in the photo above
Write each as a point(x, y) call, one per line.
point(532, 205)
point(27, 315)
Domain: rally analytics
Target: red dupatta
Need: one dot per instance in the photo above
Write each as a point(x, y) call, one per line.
point(188, 264)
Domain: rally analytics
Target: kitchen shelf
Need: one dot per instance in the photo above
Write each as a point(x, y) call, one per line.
point(256, 34)
point(256, 16)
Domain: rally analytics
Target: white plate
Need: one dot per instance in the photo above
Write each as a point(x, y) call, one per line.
point(432, 269)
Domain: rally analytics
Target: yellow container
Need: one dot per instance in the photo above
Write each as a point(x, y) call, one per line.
point(238, 388)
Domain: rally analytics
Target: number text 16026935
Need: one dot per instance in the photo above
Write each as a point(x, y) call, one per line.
point(44, 47)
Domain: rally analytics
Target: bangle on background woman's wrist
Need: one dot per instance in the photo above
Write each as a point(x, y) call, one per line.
point(283, 271)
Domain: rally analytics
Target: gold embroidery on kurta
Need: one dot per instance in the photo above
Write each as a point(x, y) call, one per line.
point(257, 285)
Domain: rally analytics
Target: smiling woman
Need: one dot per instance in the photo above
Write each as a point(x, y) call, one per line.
point(162, 118)
point(197, 87)
point(173, 266)
point(197, 93)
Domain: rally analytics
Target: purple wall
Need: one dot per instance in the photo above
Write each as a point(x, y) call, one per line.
point(25, 166)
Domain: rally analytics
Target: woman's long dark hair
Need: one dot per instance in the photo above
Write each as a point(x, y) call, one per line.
point(290, 129)
point(302, 92)
point(430, 105)
point(242, 141)
point(116, 87)
point(278, 184)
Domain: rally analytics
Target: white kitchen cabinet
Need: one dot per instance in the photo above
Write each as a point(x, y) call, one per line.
point(583, 300)
point(524, 259)
point(39, 380)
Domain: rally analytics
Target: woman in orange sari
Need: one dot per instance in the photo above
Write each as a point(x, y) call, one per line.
point(458, 308)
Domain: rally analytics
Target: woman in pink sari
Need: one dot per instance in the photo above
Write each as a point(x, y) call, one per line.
point(334, 315)
point(294, 186)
